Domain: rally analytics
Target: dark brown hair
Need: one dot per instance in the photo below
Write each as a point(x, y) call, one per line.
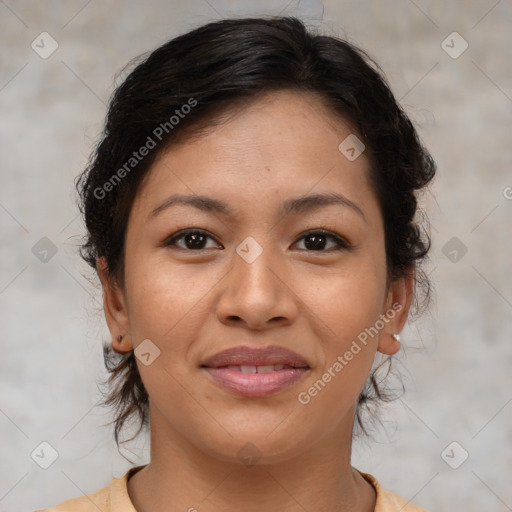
point(187, 82)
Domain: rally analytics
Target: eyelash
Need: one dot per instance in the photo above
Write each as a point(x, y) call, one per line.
point(342, 243)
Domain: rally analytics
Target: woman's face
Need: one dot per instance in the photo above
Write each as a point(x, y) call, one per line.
point(259, 274)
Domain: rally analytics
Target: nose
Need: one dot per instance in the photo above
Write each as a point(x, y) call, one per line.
point(257, 295)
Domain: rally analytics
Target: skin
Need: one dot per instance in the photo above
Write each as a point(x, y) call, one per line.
point(194, 303)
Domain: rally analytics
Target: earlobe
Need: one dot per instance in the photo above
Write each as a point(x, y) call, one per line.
point(396, 311)
point(120, 346)
point(388, 344)
point(114, 306)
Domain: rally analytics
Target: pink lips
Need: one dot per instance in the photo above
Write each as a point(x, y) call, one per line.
point(255, 372)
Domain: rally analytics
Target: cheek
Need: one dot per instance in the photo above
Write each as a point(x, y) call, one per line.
point(346, 299)
point(167, 306)
point(348, 306)
point(164, 300)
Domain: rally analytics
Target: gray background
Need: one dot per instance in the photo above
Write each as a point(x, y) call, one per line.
point(456, 359)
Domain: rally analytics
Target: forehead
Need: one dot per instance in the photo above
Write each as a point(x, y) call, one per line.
point(280, 144)
point(277, 119)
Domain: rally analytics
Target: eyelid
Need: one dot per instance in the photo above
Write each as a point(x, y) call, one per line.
point(182, 232)
point(342, 242)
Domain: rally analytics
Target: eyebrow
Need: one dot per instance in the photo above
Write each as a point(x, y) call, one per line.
point(296, 205)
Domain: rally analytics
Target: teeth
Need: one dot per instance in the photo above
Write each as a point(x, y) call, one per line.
point(248, 369)
point(265, 369)
point(257, 369)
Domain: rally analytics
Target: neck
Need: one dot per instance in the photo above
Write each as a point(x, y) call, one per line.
point(182, 477)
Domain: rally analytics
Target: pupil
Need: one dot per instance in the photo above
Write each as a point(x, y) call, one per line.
point(195, 240)
point(317, 242)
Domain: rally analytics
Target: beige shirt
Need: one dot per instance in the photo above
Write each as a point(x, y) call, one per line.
point(114, 498)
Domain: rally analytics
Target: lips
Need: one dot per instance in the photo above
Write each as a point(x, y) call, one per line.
point(256, 372)
point(264, 356)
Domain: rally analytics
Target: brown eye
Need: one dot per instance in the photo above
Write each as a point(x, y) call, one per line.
point(196, 240)
point(323, 241)
point(190, 239)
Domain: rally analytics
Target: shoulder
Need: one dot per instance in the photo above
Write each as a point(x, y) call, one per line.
point(388, 501)
point(111, 498)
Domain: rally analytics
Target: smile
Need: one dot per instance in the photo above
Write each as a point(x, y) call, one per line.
point(255, 371)
point(256, 381)
point(258, 369)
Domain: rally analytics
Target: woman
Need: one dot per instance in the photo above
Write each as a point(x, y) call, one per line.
point(251, 216)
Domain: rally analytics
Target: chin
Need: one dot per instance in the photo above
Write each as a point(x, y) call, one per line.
point(256, 441)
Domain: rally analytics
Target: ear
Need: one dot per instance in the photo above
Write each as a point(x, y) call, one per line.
point(116, 313)
point(396, 311)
